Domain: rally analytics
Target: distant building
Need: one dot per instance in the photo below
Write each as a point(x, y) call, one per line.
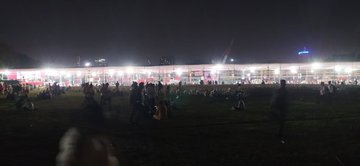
point(271, 73)
point(167, 60)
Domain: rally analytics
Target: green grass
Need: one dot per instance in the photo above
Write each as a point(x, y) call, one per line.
point(203, 131)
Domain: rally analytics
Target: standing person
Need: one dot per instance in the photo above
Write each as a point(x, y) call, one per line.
point(85, 88)
point(93, 113)
point(135, 102)
point(150, 94)
point(1, 88)
point(105, 95)
point(161, 110)
point(141, 97)
point(180, 84)
point(324, 92)
point(332, 92)
point(89, 91)
point(132, 102)
point(280, 106)
point(117, 88)
point(240, 95)
point(167, 100)
point(89, 95)
point(117, 85)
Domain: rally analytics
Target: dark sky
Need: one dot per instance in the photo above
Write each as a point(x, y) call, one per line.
point(193, 31)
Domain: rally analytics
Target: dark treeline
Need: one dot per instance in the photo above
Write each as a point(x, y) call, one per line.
point(9, 58)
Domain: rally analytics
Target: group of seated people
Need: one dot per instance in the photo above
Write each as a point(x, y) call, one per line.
point(23, 103)
point(52, 90)
point(45, 94)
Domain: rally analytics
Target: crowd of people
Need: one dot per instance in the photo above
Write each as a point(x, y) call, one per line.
point(151, 100)
point(51, 91)
point(327, 93)
point(11, 90)
point(155, 100)
point(14, 91)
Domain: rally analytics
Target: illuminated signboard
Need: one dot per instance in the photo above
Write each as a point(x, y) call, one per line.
point(303, 52)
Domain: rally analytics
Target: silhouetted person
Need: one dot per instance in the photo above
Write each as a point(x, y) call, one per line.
point(150, 96)
point(117, 86)
point(136, 102)
point(161, 111)
point(332, 92)
point(167, 100)
point(92, 110)
point(105, 95)
point(280, 106)
point(324, 92)
point(240, 105)
point(201, 82)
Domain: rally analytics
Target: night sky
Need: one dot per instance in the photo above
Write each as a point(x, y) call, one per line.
point(192, 31)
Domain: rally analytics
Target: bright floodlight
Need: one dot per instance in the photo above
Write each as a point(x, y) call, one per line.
point(178, 71)
point(130, 70)
point(51, 72)
point(7, 72)
point(78, 73)
point(348, 70)
point(120, 73)
point(316, 66)
point(68, 75)
point(111, 72)
point(252, 69)
point(293, 69)
point(231, 60)
point(218, 67)
point(87, 64)
point(338, 68)
point(146, 71)
point(277, 71)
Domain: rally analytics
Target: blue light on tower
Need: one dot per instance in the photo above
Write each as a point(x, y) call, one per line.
point(303, 52)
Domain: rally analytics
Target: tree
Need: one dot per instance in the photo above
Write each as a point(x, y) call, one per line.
point(9, 58)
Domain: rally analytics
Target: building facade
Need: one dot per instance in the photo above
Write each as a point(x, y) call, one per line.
point(295, 73)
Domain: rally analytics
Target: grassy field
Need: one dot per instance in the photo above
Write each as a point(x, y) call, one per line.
point(202, 131)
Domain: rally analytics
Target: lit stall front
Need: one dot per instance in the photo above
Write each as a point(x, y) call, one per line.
point(294, 73)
